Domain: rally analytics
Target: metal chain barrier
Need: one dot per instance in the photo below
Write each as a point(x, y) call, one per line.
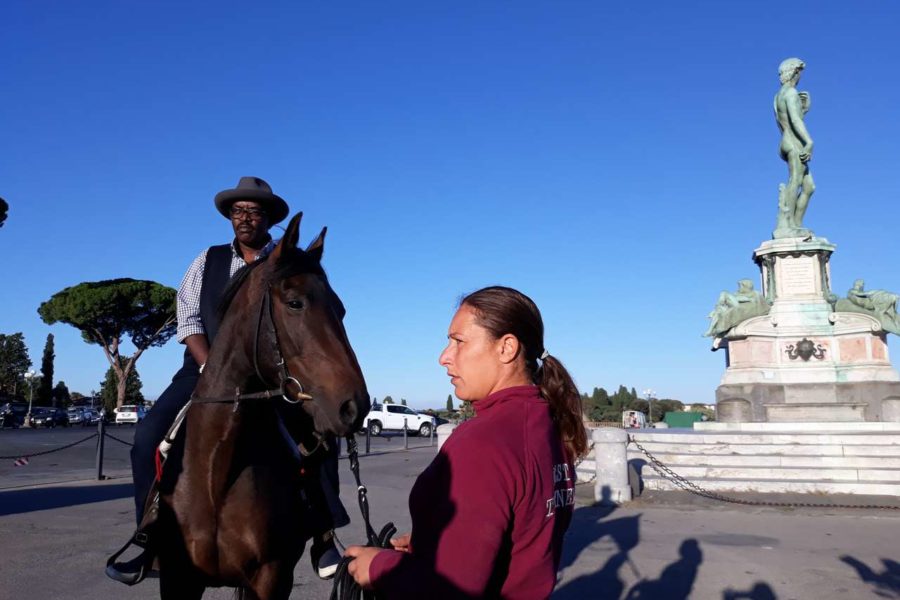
point(33, 454)
point(689, 486)
point(111, 436)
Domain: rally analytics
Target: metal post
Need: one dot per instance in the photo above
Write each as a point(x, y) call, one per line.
point(368, 438)
point(431, 434)
point(405, 436)
point(101, 437)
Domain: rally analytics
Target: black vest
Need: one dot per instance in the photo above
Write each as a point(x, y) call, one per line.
point(216, 274)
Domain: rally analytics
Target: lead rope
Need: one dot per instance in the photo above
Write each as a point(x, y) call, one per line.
point(345, 588)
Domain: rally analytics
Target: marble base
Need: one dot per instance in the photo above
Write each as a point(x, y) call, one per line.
point(873, 401)
point(803, 361)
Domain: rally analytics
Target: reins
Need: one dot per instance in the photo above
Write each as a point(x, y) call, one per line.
point(345, 587)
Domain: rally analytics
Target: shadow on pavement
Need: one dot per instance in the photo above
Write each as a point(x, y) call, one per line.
point(676, 580)
point(588, 527)
point(15, 502)
point(886, 583)
point(759, 591)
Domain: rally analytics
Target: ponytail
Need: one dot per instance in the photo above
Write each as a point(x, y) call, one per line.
point(558, 389)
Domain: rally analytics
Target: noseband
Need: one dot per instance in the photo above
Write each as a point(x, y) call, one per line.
point(285, 376)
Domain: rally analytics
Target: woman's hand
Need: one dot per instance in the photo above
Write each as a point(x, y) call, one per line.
point(362, 560)
point(401, 543)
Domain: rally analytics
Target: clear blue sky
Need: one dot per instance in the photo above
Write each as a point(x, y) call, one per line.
point(616, 161)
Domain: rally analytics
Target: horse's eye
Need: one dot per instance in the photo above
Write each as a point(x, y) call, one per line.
point(295, 304)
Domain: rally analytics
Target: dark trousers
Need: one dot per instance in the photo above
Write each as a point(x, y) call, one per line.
point(328, 511)
point(153, 428)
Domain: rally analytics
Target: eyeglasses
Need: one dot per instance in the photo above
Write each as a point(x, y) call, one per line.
point(239, 212)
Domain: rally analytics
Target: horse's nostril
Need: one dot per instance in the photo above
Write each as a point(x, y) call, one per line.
point(349, 412)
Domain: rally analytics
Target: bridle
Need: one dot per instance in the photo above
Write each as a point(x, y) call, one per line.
point(285, 377)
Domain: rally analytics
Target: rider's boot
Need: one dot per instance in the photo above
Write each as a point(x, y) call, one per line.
point(325, 555)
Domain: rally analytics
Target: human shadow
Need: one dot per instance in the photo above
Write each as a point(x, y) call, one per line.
point(635, 476)
point(16, 502)
point(589, 527)
point(676, 580)
point(759, 591)
point(886, 584)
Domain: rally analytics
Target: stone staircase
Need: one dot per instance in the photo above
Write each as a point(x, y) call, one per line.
point(824, 458)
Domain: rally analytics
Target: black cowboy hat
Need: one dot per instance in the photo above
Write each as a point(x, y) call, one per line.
point(255, 190)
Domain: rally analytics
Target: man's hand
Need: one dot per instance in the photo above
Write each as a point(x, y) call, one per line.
point(362, 560)
point(401, 543)
point(806, 153)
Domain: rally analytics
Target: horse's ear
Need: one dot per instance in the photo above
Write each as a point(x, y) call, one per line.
point(317, 246)
point(290, 237)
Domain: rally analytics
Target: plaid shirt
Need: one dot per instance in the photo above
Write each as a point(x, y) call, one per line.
point(188, 307)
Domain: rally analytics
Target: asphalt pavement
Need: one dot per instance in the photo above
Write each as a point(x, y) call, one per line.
point(58, 524)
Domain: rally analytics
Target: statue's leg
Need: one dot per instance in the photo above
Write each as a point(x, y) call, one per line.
point(796, 170)
point(806, 191)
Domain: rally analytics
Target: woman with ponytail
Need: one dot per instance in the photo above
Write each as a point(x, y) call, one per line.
point(490, 511)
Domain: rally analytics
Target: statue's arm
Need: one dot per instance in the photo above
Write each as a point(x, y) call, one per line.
point(795, 112)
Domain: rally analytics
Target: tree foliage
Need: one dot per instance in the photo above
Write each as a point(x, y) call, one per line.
point(4, 208)
point(107, 311)
point(403, 401)
point(45, 390)
point(466, 411)
point(60, 394)
point(599, 405)
point(388, 400)
point(14, 362)
point(449, 402)
point(109, 389)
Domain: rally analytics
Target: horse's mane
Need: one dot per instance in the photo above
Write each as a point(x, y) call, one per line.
point(295, 262)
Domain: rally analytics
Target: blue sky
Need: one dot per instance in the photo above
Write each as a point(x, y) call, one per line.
point(616, 161)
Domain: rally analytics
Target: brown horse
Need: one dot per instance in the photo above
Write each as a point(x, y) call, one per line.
point(280, 373)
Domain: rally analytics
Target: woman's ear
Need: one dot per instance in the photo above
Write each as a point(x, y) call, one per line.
point(509, 347)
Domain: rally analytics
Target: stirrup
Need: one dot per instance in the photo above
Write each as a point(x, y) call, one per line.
point(113, 571)
point(141, 539)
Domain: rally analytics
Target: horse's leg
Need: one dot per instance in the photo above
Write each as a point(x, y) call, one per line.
point(179, 583)
point(272, 581)
point(178, 578)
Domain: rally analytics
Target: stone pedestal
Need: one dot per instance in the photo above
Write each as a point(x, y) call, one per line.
point(803, 361)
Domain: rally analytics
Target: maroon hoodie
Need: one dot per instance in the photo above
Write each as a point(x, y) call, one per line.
point(490, 511)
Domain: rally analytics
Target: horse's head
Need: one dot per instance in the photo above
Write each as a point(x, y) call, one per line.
point(305, 327)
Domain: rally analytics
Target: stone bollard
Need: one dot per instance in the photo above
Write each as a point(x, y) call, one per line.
point(611, 464)
point(443, 432)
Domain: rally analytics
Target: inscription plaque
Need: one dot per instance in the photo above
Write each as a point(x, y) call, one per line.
point(798, 276)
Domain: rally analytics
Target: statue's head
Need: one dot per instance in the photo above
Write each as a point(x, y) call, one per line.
point(745, 285)
point(790, 69)
point(859, 284)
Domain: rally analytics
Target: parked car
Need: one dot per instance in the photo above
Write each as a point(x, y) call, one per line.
point(91, 416)
point(129, 413)
point(12, 414)
point(390, 417)
point(49, 417)
point(76, 415)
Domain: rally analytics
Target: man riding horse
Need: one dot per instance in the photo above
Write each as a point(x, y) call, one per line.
point(252, 209)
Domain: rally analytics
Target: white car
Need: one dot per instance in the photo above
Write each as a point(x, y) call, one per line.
point(391, 417)
point(129, 413)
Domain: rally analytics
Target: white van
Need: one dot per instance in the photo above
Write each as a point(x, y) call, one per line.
point(633, 419)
